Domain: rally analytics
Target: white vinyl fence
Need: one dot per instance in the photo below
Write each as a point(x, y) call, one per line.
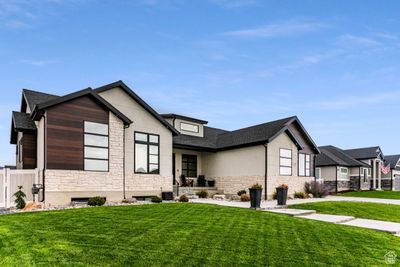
point(9, 182)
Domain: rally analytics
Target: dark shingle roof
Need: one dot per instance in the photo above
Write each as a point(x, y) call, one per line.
point(34, 98)
point(333, 156)
point(364, 153)
point(392, 160)
point(23, 122)
point(217, 139)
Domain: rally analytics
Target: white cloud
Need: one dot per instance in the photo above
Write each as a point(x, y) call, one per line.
point(234, 3)
point(350, 40)
point(283, 29)
point(38, 63)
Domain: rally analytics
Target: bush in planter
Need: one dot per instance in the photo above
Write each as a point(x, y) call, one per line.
point(241, 192)
point(183, 198)
point(156, 199)
point(201, 181)
point(300, 195)
point(316, 189)
point(19, 198)
point(274, 195)
point(96, 201)
point(244, 198)
point(202, 194)
point(256, 186)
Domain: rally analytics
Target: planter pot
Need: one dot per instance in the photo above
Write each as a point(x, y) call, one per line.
point(255, 198)
point(211, 183)
point(201, 181)
point(281, 196)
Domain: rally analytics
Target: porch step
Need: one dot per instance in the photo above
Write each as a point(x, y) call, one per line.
point(327, 218)
point(292, 212)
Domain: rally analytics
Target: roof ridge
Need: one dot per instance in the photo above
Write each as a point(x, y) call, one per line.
point(34, 91)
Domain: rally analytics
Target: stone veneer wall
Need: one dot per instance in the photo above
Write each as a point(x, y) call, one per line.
point(296, 184)
point(61, 185)
point(147, 184)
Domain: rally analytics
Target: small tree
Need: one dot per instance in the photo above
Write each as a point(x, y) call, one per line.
point(19, 198)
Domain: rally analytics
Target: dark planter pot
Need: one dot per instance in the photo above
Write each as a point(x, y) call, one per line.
point(255, 198)
point(201, 181)
point(281, 196)
point(211, 183)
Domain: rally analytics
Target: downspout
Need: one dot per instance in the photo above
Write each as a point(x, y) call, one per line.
point(359, 178)
point(336, 179)
point(123, 162)
point(391, 180)
point(44, 156)
point(266, 171)
point(315, 167)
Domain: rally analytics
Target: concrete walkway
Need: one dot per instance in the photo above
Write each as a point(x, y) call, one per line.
point(270, 206)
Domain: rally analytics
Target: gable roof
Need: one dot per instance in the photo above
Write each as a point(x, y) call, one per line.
point(334, 156)
point(182, 117)
point(392, 160)
point(38, 111)
point(217, 139)
point(34, 98)
point(365, 152)
point(141, 102)
point(20, 122)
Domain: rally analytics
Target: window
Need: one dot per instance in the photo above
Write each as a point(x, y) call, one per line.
point(285, 161)
point(304, 164)
point(189, 165)
point(365, 174)
point(344, 171)
point(318, 173)
point(95, 146)
point(20, 151)
point(189, 127)
point(147, 153)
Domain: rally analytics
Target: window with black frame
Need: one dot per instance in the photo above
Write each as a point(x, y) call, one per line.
point(189, 165)
point(147, 153)
point(96, 146)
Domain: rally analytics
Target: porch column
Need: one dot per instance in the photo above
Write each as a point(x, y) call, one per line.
point(373, 173)
point(379, 175)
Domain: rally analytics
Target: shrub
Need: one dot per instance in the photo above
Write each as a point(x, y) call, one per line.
point(183, 198)
point(300, 195)
point(202, 194)
point(316, 189)
point(201, 181)
point(274, 195)
point(19, 198)
point(283, 186)
point(241, 192)
point(244, 198)
point(156, 199)
point(96, 201)
point(256, 186)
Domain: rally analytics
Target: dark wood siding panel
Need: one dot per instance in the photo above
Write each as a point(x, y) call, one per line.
point(65, 131)
point(29, 150)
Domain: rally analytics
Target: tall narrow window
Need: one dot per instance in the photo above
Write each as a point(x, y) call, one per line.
point(189, 165)
point(285, 162)
point(304, 164)
point(147, 153)
point(318, 173)
point(95, 146)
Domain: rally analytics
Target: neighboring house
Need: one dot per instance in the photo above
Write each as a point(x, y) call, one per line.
point(270, 154)
point(341, 172)
point(394, 174)
point(95, 142)
point(373, 156)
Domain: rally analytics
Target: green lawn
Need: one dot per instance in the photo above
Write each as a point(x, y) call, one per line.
point(373, 194)
point(184, 235)
point(384, 212)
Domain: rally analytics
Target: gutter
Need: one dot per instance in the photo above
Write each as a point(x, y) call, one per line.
point(266, 171)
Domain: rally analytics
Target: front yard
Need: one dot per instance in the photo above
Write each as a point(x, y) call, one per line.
point(375, 211)
point(373, 194)
point(184, 235)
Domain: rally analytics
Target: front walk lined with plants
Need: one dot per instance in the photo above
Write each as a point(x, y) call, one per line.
point(184, 234)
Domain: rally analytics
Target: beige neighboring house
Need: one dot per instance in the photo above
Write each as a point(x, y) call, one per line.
point(339, 171)
point(394, 175)
point(270, 154)
point(108, 142)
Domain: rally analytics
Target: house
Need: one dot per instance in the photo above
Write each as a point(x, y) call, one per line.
point(374, 157)
point(341, 172)
point(394, 175)
point(270, 154)
point(108, 142)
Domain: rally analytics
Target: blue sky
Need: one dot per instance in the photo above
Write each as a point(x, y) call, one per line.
point(335, 64)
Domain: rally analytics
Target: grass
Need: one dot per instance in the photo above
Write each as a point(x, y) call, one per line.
point(373, 194)
point(375, 211)
point(184, 235)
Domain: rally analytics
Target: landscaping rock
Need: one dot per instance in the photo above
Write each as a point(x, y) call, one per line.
point(219, 197)
point(310, 196)
point(33, 206)
point(129, 200)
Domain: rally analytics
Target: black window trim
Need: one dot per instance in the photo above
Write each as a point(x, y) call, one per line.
point(291, 162)
point(148, 143)
point(108, 146)
point(188, 169)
